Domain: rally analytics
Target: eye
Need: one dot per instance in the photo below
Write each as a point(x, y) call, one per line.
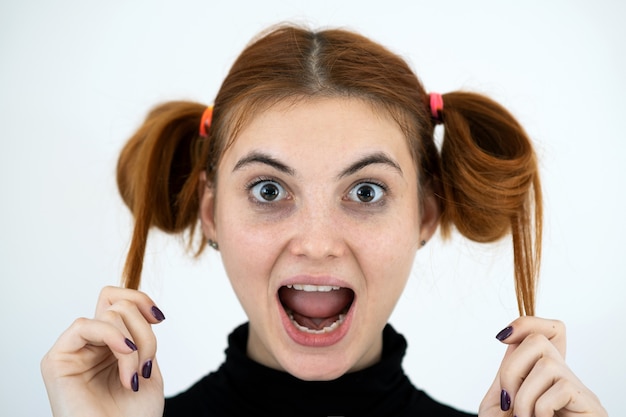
point(366, 192)
point(267, 191)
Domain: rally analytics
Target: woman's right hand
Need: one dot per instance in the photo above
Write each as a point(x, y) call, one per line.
point(106, 366)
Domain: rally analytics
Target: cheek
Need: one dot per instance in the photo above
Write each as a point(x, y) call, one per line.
point(247, 251)
point(390, 264)
point(247, 266)
point(392, 252)
point(249, 235)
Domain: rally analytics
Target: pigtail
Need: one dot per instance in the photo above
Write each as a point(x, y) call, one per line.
point(491, 185)
point(158, 176)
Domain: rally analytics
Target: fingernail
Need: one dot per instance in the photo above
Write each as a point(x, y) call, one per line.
point(134, 382)
point(130, 344)
point(146, 371)
point(158, 314)
point(505, 401)
point(504, 333)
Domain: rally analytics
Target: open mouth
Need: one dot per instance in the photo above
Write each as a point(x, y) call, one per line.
point(316, 309)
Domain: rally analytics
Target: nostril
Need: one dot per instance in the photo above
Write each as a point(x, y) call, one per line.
point(317, 244)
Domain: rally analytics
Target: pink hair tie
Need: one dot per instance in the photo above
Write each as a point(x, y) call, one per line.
point(205, 121)
point(436, 107)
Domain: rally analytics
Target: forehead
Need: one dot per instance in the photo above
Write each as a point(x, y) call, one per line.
point(321, 128)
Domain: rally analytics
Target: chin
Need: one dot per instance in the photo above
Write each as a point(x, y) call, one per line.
point(317, 367)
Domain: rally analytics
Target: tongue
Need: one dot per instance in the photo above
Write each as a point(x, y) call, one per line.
point(316, 310)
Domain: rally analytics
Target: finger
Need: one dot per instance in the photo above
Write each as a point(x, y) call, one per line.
point(141, 333)
point(127, 364)
point(75, 351)
point(517, 331)
point(147, 307)
point(84, 332)
point(540, 381)
point(567, 395)
point(518, 364)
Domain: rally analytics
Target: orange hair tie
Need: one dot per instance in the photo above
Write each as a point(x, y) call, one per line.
point(205, 121)
point(436, 107)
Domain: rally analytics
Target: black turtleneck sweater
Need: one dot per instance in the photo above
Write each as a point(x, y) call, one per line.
point(242, 387)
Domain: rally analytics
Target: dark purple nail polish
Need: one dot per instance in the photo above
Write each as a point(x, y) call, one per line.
point(130, 344)
point(158, 314)
point(134, 382)
point(505, 401)
point(146, 371)
point(504, 333)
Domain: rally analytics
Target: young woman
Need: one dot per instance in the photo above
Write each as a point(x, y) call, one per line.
point(316, 176)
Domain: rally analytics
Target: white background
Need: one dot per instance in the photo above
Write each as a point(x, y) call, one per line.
point(77, 77)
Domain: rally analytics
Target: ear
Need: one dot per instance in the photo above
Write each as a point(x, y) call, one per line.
point(206, 194)
point(431, 210)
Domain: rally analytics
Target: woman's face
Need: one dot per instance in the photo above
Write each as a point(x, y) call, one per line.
point(318, 221)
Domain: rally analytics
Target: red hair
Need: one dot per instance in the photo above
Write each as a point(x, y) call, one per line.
point(485, 176)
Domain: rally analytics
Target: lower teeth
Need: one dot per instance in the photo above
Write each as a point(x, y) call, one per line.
point(326, 329)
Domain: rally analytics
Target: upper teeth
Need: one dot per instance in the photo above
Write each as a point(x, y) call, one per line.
point(313, 288)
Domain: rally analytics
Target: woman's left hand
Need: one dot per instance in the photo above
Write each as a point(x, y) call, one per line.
point(533, 379)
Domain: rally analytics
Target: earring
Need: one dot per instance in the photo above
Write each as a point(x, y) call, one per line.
point(423, 243)
point(213, 244)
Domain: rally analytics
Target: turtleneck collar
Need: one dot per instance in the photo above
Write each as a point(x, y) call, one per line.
point(377, 390)
point(242, 387)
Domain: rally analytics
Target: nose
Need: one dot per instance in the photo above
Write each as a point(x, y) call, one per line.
point(318, 233)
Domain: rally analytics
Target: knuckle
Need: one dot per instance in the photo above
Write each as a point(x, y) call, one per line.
point(80, 323)
point(105, 291)
point(522, 400)
point(525, 320)
point(566, 385)
point(50, 364)
point(46, 364)
point(546, 365)
point(559, 327)
point(50, 369)
point(111, 292)
point(110, 316)
point(125, 304)
point(149, 344)
point(536, 339)
point(507, 375)
point(543, 407)
point(147, 336)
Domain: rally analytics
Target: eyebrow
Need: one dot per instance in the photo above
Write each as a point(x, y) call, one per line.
point(262, 158)
point(371, 159)
point(257, 157)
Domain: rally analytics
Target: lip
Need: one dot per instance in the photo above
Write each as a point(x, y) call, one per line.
point(316, 340)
